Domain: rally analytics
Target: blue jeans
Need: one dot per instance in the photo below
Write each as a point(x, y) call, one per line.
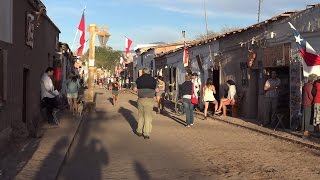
point(188, 109)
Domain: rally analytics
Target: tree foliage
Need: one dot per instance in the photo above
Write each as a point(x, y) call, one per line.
point(212, 34)
point(105, 57)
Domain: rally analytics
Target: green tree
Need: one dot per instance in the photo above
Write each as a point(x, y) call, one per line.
point(105, 57)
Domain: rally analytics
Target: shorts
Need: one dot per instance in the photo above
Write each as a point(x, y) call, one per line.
point(115, 92)
point(160, 93)
point(229, 102)
point(72, 95)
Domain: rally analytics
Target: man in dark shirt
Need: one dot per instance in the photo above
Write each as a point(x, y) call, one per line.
point(146, 87)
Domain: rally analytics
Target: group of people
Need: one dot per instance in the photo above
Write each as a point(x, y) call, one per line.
point(49, 94)
point(190, 89)
point(311, 105)
point(147, 86)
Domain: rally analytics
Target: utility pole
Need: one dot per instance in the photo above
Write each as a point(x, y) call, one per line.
point(207, 33)
point(259, 10)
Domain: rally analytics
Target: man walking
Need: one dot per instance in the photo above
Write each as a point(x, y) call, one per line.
point(146, 87)
point(271, 97)
point(48, 95)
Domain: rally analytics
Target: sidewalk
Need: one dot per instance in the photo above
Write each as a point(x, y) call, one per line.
point(42, 158)
point(284, 134)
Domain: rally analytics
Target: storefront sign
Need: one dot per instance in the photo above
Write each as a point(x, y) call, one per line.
point(29, 29)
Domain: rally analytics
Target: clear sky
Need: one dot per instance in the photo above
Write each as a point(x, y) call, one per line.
point(147, 21)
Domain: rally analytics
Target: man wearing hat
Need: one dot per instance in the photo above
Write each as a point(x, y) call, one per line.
point(146, 88)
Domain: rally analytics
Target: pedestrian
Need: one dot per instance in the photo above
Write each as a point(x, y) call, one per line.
point(186, 92)
point(208, 97)
point(73, 87)
point(271, 88)
point(48, 95)
point(316, 105)
point(160, 95)
point(115, 90)
point(146, 88)
point(307, 100)
point(196, 86)
point(230, 99)
point(127, 83)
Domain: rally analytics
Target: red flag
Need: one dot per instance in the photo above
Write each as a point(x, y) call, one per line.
point(185, 55)
point(82, 30)
point(128, 44)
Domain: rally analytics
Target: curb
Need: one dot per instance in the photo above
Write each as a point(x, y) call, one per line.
point(264, 131)
point(70, 145)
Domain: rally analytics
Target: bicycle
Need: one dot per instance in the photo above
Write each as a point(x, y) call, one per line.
point(178, 107)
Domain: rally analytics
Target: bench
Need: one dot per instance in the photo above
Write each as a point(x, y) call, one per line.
point(233, 109)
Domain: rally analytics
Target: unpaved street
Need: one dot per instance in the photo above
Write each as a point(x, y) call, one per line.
point(107, 148)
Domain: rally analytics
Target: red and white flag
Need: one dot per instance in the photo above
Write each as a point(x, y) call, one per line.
point(82, 30)
point(311, 63)
point(128, 45)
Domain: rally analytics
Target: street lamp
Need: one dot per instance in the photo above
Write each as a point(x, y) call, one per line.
point(93, 29)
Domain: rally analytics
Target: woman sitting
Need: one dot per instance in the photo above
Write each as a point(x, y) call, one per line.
point(208, 97)
point(230, 100)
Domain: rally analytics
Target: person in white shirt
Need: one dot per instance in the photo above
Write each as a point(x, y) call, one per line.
point(231, 98)
point(48, 94)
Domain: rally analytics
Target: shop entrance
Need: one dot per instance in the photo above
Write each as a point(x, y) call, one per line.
point(24, 93)
point(284, 92)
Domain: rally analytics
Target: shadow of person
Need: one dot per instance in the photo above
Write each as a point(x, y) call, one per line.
point(49, 169)
point(14, 157)
point(141, 171)
point(95, 96)
point(128, 115)
point(178, 120)
point(110, 100)
point(133, 103)
point(87, 162)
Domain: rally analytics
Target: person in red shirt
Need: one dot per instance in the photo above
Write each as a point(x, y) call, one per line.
point(307, 100)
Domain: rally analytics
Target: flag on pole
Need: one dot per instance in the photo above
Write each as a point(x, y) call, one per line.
point(128, 45)
point(185, 51)
point(311, 63)
point(82, 30)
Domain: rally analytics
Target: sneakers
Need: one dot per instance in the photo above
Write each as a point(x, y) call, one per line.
point(191, 124)
point(139, 134)
point(187, 126)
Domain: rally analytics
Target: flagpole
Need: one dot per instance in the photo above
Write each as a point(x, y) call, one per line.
point(77, 31)
point(74, 39)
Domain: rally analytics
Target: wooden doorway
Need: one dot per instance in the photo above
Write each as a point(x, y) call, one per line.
point(24, 94)
point(216, 82)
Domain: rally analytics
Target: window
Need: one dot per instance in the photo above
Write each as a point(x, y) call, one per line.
point(6, 20)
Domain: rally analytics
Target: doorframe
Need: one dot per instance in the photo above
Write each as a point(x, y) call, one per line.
point(25, 79)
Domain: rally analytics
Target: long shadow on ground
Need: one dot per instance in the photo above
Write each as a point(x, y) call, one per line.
point(128, 115)
point(178, 120)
